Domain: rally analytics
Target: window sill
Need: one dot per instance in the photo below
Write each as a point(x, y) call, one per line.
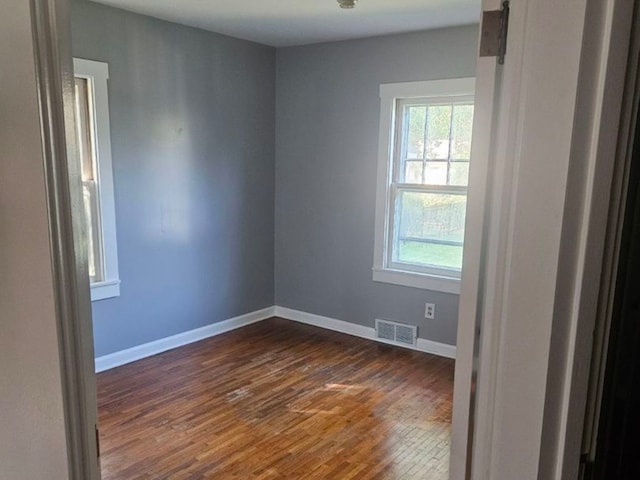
point(104, 290)
point(424, 281)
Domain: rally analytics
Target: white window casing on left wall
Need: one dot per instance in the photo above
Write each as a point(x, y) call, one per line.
point(94, 141)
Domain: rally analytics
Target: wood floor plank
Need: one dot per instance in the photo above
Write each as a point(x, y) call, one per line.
point(278, 400)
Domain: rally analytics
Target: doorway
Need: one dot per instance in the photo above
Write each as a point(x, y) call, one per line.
point(540, 326)
point(200, 135)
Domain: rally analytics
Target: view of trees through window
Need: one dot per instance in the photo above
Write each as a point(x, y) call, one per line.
point(86, 150)
point(431, 172)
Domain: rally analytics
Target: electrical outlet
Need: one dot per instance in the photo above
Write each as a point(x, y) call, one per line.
point(430, 311)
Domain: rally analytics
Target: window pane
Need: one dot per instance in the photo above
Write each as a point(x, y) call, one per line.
point(84, 136)
point(461, 135)
point(436, 173)
point(413, 171)
point(459, 173)
point(83, 129)
point(414, 143)
point(94, 243)
point(429, 229)
point(438, 131)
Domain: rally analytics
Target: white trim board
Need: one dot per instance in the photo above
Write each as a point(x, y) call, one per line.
point(116, 359)
point(139, 352)
point(423, 345)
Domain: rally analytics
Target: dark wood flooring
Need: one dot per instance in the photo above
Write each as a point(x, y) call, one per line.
point(278, 400)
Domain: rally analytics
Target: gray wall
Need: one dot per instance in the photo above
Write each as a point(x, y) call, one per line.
point(326, 156)
point(192, 125)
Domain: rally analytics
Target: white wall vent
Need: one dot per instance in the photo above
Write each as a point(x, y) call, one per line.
point(396, 332)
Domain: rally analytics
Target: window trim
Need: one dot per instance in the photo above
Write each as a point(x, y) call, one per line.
point(434, 279)
point(97, 75)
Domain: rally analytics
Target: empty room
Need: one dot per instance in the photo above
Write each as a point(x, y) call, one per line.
point(321, 240)
point(274, 199)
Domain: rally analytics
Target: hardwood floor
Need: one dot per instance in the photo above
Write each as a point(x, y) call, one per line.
point(278, 400)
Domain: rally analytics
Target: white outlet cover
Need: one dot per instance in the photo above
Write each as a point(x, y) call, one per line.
point(430, 311)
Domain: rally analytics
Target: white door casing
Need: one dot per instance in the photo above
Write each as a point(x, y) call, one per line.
point(514, 257)
point(513, 243)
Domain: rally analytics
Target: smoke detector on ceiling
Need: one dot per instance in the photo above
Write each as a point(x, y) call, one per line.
point(347, 3)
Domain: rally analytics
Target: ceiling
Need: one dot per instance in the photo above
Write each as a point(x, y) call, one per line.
point(282, 23)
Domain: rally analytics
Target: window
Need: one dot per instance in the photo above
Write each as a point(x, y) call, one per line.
point(94, 146)
point(423, 171)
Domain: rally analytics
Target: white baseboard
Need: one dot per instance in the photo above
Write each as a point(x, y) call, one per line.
point(138, 352)
point(423, 345)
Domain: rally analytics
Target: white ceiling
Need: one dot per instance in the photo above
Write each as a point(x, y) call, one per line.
point(297, 22)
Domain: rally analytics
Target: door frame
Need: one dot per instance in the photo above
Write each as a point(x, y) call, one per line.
point(50, 24)
point(544, 88)
point(528, 332)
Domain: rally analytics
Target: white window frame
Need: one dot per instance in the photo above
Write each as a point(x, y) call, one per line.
point(97, 75)
point(436, 279)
